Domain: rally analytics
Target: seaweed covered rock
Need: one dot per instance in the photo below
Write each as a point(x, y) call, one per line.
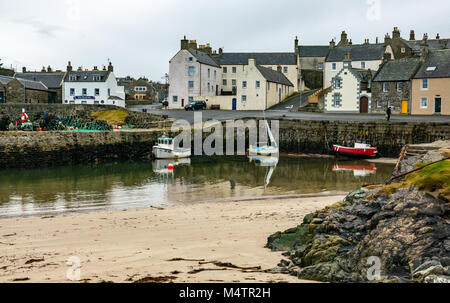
point(394, 233)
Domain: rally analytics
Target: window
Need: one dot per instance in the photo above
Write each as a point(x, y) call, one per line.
point(109, 92)
point(333, 66)
point(97, 92)
point(363, 65)
point(385, 87)
point(258, 84)
point(97, 78)
point(190, 85)
point(209, 87)
point(175, 99)
point(424, 83)
point(191, 59)
point(424, 103)
point(224, 82)
point(244, 84)
point(285, 69)
point(191, 70)
point(209, 73)
point(320, 66)
point(399, 87)
point(244, 98)
point(72, 91)
point(215, 74)
point(338, 83)
point(431, 68)
point(72, 102)
point(191, 99)
point(73, 78)
point(233, 82)
point(84, 91)
point(233, 70)
point(84, 102)
point(96, 102)
point(225, 70)
point(337, 101)
point(403, 50)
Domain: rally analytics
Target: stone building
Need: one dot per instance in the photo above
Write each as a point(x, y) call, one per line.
point(391, 87)
point(430, 86)
point(53, 80)
point(350, 90)
point(17, 90)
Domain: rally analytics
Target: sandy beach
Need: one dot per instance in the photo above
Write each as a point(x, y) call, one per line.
point(174, 244)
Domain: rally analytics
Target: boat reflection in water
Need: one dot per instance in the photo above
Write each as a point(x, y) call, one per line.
point(359, 170)
point(266, 161)
point(166, 167)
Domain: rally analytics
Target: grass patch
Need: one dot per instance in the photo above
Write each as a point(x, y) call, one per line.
point(112, 117)
point(435, 177)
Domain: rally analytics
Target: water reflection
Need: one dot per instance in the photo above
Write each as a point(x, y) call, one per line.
point(133, 185)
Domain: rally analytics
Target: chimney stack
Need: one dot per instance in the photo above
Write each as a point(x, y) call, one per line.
point(110, 67)
point(43, 69)
point(438, 37)
point(387, 39)
point(24, 69)
point(344, 39)
point(69, 67)
point(347, 60)
point(49, 69)
point(279, 69)
point(95, 68)
point(396, 33)
point(332, 44)
point(193, 44)
point(220, 51)
point(387, 57)
point(376, 41)
point(412, 35)
point(424, 48)
point(184, 43)
point(296, 45)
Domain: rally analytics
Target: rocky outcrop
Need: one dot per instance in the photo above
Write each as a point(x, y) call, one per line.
point(393, 233)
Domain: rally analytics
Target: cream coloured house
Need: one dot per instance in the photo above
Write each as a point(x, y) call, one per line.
point(350, 90)
point(256, 88)
point(192, 74)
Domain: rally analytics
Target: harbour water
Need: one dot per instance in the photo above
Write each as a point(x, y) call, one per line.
point(120, 186)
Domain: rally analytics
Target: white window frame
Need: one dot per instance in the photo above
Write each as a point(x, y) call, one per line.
point(423, 86)
point(320, 66)
point(72, 91)
point(244, 98)
point(95, 91)
point(285, 69)
point(225, 70)
point(258, 84)
point(174, 99)
point(385, 87)
point(234, 70)
point(333, 66)
point(191, 71)
point(244, 84)
point(422, 100)
point(189, 85)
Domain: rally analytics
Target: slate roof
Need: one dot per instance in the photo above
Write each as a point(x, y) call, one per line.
point(260, 58)
point(86, 76)
point(5, 79)
point(398, 70)
point(433, 44)
point(203, 58)
point(438, 59)
point(313, 50)
point(28, 84)
point(274, 76)
point(51, 80)
point(361, 52)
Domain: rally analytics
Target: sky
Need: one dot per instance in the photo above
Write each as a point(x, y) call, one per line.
point(141, 36)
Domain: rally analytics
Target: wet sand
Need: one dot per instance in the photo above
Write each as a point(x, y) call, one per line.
point(127, 246)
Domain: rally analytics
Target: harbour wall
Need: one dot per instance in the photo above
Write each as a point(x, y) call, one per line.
point(46, 149)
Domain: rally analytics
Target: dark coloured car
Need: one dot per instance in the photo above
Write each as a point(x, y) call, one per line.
point(196, 105)
point(165, 103)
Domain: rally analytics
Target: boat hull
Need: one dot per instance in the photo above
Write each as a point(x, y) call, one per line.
point(263, 151)
point(356, 152)
point(164, 153)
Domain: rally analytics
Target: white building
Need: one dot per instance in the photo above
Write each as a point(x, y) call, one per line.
point(96, 87)
point(192, 74)
point(363, 56)
point(350, 90)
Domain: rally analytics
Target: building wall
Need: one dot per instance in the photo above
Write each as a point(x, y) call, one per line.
point(329, 73)
point(179, 78)
point(382, 100)
point(436, 87)
point(350, 94)
point(110, 83)
point(311, 63)
point(292, 74)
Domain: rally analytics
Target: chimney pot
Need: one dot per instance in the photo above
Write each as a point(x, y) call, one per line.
point(412, 35)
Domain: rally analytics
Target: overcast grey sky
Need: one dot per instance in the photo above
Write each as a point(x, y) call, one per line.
point(141, 36)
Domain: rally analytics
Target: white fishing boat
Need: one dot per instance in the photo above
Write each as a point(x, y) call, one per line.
point(265, 149)
point(165, 149)
point(264, 161)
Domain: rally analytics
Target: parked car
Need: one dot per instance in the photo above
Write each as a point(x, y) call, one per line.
point(196, 105)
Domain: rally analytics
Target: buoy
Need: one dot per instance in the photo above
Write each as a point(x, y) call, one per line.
point(170, 167)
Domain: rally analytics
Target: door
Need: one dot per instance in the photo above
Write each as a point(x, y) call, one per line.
point(234, 104)
point(364, 105)
point(437, 105)
point(404, 106)
point(2, 98)
point(279, 96)
point(182, 103)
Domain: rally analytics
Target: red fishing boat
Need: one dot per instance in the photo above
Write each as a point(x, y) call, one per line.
point(360, 150)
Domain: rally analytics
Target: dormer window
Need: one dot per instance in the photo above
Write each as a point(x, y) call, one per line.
point(73, 78)
point(191, 59)
point(431, 68)
point(97, 78)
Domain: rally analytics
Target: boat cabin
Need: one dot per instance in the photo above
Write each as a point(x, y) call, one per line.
point(165, 141)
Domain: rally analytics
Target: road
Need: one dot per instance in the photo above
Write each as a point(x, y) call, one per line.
point(294, 103)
